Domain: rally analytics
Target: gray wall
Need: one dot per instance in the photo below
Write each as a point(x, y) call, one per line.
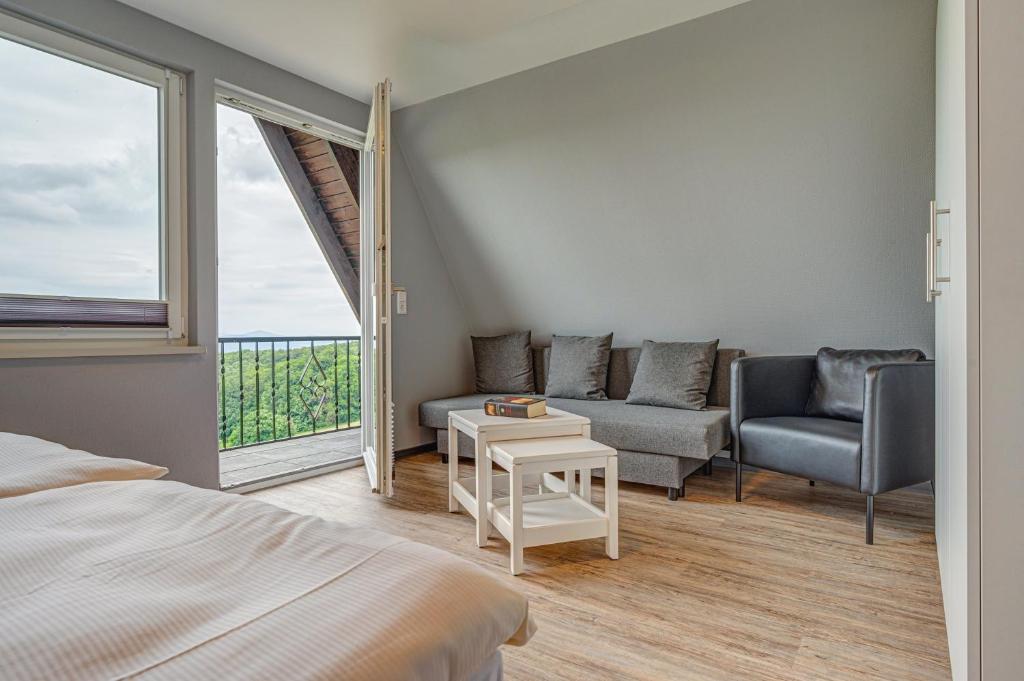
point(163, 409)
point(1001, 367)
point(761, 175)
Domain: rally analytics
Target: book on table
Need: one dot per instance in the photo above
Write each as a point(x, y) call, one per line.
point(516, 407)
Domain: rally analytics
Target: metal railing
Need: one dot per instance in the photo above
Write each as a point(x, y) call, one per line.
point(277, 388)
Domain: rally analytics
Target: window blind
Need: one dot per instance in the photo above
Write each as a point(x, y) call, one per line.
point(77, 312)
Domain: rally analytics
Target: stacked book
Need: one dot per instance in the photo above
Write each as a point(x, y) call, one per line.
point(516, 407)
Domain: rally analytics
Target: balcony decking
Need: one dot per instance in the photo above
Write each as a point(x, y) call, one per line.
point(258, 463)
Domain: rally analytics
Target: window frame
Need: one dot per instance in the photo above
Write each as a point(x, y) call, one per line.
point(291, 117)
point(173, 228)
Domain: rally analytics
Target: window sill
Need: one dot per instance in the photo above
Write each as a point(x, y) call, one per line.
point(44, 350)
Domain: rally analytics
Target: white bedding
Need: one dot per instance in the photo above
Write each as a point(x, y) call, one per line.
point(160, 580)
point(28, 464)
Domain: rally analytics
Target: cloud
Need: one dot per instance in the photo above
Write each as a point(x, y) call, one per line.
point(79, 187)
point(242, 154)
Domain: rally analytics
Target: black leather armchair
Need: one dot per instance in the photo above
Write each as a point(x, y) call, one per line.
point(892, 447)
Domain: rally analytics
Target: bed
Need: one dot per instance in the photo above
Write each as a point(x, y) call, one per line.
point(151, 579)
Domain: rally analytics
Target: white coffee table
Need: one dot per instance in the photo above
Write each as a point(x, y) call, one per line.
point(484, 429)
point(553, 517)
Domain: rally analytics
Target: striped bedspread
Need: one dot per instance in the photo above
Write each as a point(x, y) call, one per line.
point(160, 580)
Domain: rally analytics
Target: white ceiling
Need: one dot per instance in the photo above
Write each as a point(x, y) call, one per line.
point(427, 47)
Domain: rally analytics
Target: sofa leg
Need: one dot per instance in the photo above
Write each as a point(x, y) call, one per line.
point(707, 468)
point(673, 493)
point(444, 458)
point(869, 529)
point(739, 481)
point(812, 482)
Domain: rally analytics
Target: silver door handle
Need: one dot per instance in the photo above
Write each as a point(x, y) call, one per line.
point(932, 243)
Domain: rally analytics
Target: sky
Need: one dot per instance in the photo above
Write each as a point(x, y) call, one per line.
point(79, 202)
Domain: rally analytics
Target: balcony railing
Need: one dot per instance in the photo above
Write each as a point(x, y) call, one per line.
point(277, 388)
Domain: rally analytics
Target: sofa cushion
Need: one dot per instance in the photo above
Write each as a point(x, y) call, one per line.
point(578, 368)
point(504, 364)
point(675, 375)
point(434, 414)
point(622, 365)
point(837, 390)
point(634, 427)
point(719, 392)
point(658, 430)
point(812, 448)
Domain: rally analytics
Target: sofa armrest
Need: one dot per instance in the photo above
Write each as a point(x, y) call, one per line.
point(898, 447)
point(768, 386)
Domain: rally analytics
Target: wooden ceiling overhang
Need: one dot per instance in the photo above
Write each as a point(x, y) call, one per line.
point(323, 177)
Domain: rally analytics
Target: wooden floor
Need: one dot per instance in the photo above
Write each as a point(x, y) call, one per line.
point(779, 587)
point(246, 465)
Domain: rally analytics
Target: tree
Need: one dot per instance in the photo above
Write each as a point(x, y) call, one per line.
point(283, 392)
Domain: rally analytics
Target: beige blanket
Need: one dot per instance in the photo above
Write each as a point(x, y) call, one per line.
point(160, 580)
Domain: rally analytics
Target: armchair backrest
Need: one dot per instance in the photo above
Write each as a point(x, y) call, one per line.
point(837, 390)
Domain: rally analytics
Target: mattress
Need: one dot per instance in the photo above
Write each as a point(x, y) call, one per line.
point(160, 580)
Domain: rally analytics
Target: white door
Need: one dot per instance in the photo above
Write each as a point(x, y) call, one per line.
point(375, 291)
point(948, 288)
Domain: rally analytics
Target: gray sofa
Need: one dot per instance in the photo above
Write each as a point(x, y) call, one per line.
point(657, 445)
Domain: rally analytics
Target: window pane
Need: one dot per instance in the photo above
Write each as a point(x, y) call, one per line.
point(79, 179)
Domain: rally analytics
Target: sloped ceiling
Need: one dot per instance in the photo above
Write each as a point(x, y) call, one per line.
point(427, 47)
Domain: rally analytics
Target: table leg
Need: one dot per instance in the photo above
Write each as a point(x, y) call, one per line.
point(611, 506)
point(585, 484)
point(483, 490)
point(570, 476)
point(515, 509)
point(453, 465)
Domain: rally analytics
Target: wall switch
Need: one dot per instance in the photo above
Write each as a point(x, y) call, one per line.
point(401, 301)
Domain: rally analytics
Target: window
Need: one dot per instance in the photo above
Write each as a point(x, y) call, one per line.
point(91, 191)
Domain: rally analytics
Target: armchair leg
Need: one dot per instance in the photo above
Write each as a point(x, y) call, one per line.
point(869, 530)
point(673, 493)
point(739, 481)
point(444, 459)
point(812, 482)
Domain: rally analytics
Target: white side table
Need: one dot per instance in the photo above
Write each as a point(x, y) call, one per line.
point(486, 429)
point(552, 517)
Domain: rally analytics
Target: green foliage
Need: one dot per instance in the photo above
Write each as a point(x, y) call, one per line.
point(284, 390)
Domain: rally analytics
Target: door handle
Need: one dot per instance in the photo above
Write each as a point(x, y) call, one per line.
point(932, 243)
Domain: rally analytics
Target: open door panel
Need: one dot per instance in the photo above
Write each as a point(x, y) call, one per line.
point(375, 275)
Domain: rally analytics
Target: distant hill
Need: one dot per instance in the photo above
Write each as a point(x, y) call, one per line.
point(249, 334)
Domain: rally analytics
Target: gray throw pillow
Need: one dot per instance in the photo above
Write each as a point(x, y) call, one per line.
point(676, 375)
point(504, 364)
point(578, 368)
point(838, 388)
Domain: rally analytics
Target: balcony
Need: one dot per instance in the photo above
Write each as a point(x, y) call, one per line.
point(288, 407)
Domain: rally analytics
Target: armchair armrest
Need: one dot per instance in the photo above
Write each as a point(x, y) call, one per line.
point(768, 386)
point(898, 446)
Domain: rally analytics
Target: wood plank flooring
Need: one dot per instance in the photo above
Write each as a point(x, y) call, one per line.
point(779, 587)
point(258, 462)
